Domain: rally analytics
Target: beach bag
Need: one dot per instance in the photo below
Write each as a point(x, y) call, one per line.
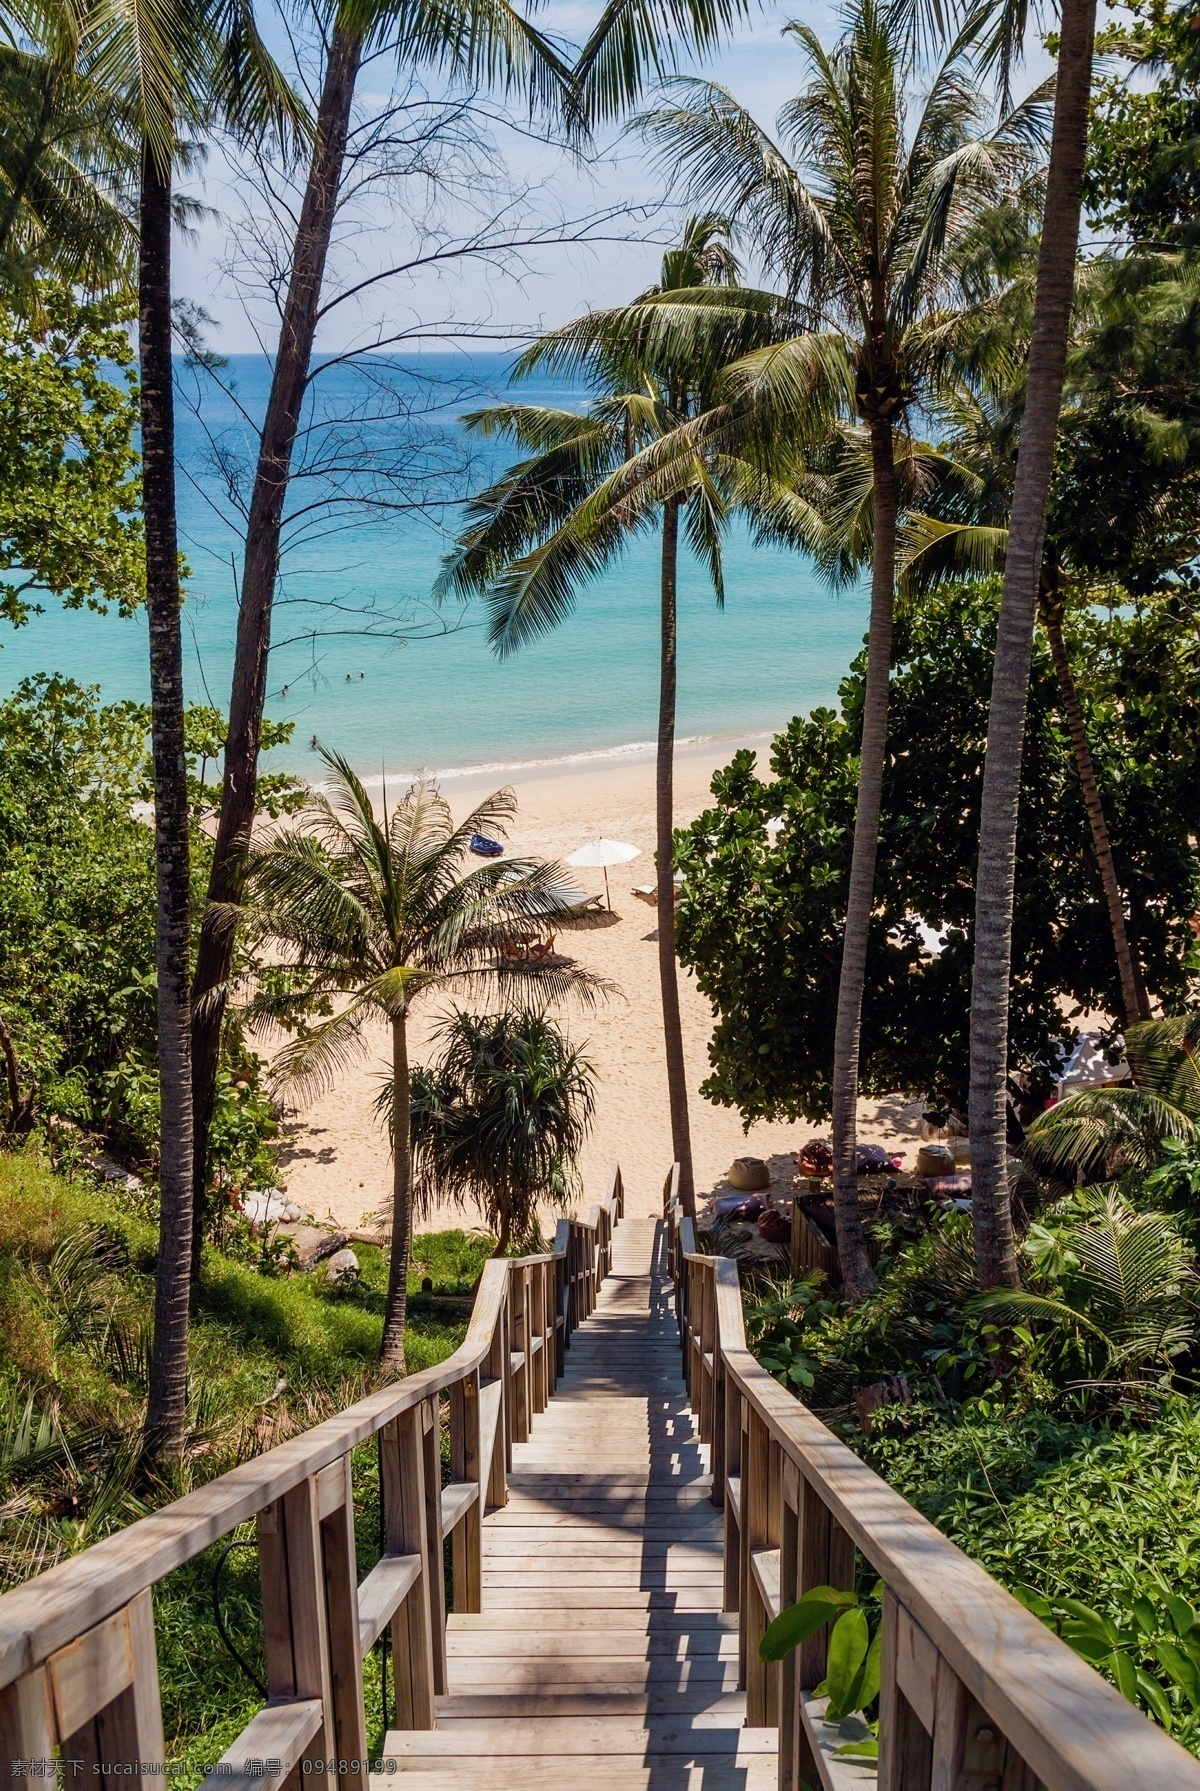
point(815, 1158)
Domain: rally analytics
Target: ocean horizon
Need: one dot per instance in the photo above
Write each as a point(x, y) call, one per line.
point(361, 659)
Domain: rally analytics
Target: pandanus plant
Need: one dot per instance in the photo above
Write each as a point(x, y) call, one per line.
point(499, 1118)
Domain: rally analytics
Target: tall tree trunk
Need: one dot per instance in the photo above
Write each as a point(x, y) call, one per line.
point(857, 1274)
point(166, 1409)
point(260, 568)
point(677, 1093)
point(505, 1230)
point(1133, 994)
point(994, 1241)
point(391, 1353)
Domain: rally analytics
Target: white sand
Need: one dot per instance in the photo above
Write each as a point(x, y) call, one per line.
point(335, 1162)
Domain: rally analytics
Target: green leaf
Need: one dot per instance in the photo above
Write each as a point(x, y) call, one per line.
point(1181, 1669)
point(1147, 1616)
point(1154, 1695)
point(1093, 1647)
point(1090, 1619)
point(802, 1620)
point(848, 1645)
point(1182, 1614)
point(1033, 1601)
point(859, 1750)
point(1125, 1674)
point(866, 1688)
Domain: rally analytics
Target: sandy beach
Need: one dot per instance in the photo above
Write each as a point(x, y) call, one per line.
point(335, 1163)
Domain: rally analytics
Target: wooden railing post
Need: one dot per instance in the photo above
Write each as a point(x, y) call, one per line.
point(792, 1741)
point(406, 1533)
point(522, 1348)
point(97, 1699)
point(435, 1555)
point(26, 1721)
point(734, 1426)
point(335, 1505)
point(706, 1324)
point(759, 1677)
point(466, 1541)
point(543, 1385)
point(499, 1369)
point(295, 1627)
point(562, 1298)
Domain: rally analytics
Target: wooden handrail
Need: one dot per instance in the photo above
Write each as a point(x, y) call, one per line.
point(78, 1665)
point(975, 1691)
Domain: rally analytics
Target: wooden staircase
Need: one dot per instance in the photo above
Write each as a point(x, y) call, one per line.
point(631, 1498)
point(602, 1657)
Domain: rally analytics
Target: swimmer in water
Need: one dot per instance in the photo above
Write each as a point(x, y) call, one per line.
point(312, 745)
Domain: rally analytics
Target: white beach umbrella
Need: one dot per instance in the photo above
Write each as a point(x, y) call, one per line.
point(600, 854)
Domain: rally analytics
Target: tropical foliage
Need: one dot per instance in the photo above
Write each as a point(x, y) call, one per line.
point(70, 492)
point(375, 915)
point(761, 913)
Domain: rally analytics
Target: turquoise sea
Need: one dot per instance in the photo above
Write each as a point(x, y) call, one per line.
point(365, 663)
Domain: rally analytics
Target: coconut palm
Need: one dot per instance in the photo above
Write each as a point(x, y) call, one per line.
point(486, 42)
point(955, 504)
point(959, 528)
point(557, 517)
point(375, 917)
point(66, 165)
point(866, 219)
point(1000, 797)
point(175, 69)
point(500, 1118)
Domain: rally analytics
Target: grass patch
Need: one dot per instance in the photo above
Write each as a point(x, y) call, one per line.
point(269, 1356)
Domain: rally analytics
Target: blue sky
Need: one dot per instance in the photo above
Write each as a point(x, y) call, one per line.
point(551, 283)
point(554, 282)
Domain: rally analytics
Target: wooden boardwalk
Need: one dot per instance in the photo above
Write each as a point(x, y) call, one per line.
point(602, 1657)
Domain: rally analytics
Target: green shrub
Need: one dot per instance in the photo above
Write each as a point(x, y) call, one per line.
point(1087, 1512)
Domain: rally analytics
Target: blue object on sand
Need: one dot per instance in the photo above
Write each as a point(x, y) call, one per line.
point(483, 847)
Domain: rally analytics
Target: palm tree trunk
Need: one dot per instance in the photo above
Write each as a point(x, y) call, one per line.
point(260, 567)
point(505, 1229)
point(1133, 994)
point(391, 1353)
point(166, 1409)
point(677, 1094)
point(857, 1274)
point(995, 1244)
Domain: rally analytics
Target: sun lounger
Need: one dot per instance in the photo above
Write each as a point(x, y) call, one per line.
point(648, 893)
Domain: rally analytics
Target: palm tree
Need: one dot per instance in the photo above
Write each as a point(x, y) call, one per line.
point(865, 225)
point(378, 916)
point(557, 517)
point(1121, 1294)
point(479, 41)
point(995, 1242)
point(954, 524)
point(1117, 1130)
point(65, 166)
point(501, 1117)
point(173, 69)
